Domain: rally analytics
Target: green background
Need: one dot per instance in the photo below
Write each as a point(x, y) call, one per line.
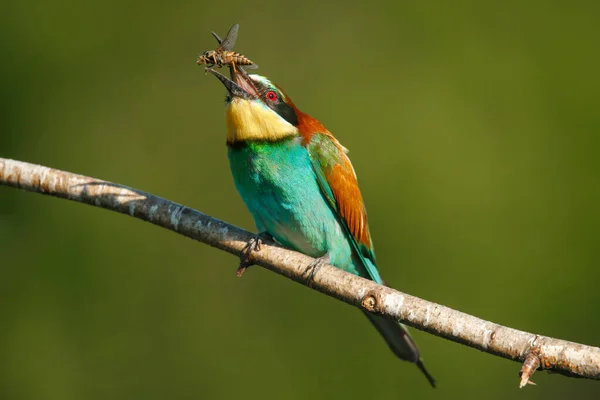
point(473, 127)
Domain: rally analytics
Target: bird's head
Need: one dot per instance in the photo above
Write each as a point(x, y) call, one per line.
point(257, 109)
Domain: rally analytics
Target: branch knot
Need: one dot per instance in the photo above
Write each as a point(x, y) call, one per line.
point(370, 303)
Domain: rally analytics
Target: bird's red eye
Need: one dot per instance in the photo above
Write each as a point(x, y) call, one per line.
point(271, 96)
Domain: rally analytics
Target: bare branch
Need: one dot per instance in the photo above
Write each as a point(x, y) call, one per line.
point(560, 356)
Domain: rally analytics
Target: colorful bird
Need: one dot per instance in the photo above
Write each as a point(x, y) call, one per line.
point(301, 188)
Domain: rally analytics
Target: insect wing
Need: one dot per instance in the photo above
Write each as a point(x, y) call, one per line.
point(217, 37)
point(251, 66)
point(230, 39)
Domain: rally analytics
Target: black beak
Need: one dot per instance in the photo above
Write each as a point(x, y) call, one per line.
point(247, 92)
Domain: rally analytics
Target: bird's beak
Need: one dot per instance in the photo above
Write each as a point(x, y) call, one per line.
point(240, 84)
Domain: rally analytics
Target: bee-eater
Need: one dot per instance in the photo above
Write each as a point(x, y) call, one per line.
point(301, 188)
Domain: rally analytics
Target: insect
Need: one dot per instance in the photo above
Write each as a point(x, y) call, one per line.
point(224, 54)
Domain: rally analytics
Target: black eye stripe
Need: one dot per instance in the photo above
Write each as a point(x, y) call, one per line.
point(278, 105)
point(286, 112)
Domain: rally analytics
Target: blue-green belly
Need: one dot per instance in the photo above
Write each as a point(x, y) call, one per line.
point(279, 187)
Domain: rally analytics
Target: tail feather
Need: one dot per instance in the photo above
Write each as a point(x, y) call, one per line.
point(400, 342)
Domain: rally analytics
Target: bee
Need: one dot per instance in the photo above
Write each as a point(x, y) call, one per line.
point(224, 54)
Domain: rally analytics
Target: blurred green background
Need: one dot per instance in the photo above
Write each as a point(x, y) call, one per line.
point(473, 127)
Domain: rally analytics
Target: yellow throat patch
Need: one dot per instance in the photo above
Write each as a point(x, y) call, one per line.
point(249, 120)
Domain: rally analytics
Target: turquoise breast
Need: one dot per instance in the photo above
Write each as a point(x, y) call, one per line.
point(280, 189)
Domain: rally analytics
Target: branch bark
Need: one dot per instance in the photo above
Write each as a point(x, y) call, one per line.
point(537, 352)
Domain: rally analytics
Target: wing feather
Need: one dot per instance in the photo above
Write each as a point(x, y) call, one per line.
point(338, 183)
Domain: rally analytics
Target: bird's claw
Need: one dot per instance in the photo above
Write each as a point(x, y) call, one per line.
point(253, 244)
point(314, 267)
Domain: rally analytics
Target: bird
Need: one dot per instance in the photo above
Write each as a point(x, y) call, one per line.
point(297, 181)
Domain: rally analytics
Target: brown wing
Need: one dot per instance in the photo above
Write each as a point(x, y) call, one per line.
point(339, 185)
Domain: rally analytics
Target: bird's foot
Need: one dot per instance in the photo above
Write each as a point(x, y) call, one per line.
point(314, 267)
point(253, 244)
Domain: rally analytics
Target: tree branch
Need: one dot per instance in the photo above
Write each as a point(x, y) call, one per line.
point(536, 352)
